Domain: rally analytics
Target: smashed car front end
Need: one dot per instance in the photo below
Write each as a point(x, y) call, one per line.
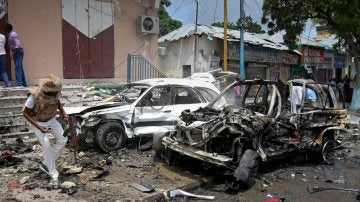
point(215, 136)
point(87, 121)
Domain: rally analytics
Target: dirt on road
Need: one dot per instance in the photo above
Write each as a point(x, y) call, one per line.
point(103, 177)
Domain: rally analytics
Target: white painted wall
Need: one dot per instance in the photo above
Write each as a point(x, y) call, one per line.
point(181, 52)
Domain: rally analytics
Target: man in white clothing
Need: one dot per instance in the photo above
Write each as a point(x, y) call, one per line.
point(40, 110)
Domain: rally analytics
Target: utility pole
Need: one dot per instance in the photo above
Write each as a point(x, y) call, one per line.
point(195, 39)
point(225, 35)
point(241, 50)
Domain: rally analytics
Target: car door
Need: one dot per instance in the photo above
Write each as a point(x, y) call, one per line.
point(153, 111)
point(158, 109)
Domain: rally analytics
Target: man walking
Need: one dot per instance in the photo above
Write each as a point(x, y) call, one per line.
point(40, 110)
point(17, 54)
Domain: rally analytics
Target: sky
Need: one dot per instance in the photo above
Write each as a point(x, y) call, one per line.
point(211, 11)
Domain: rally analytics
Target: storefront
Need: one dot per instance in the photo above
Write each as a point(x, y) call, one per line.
point(340, 63)
point(312, 60)
point(262, 62)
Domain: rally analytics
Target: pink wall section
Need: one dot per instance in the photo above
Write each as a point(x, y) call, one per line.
point(127, 40)
point(38, 22)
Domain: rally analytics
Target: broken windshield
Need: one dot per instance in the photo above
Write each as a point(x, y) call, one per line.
point(131, 92)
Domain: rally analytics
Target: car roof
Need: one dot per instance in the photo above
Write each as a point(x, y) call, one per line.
point(175, 81)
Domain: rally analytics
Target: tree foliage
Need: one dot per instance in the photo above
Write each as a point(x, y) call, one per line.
point(249, 25)
point(167, 24)
point(340, 16)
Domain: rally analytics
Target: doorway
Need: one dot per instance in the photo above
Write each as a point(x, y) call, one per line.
point(186, 71)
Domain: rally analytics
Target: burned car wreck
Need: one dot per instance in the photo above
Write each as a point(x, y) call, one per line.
point(270, 120)
point(141, 109)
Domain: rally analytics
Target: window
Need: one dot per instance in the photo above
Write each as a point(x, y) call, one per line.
point(158, 96)
point(186, 96)
point(208, 94)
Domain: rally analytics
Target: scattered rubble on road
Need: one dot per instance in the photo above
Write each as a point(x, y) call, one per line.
point(97, 176)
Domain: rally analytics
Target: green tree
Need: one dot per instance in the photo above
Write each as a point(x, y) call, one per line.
point(340, 16)
point(167, 24)
point(231, 25)
point(249, 25)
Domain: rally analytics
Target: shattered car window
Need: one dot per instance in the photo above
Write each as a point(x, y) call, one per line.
point(208, 94)
point(131, 93)
point(158, 96)
point(186, 96)
point(231, 96)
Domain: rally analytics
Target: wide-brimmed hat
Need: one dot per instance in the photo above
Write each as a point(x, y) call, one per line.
point(51, 83)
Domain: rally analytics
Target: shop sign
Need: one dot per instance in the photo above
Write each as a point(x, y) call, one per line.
point(328, 59)
point(268, 55)
point(339, 61)
point(214, 62)
point(312, 56)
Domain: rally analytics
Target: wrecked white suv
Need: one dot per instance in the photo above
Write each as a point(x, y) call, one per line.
point(142, 108)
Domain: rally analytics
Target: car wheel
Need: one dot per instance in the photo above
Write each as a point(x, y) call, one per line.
point(110, 136)
point(158, 147)
point(247, 169)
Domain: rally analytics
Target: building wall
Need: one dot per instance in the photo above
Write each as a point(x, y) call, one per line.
point(39, 25)
point(127, 40)
point(181, 52)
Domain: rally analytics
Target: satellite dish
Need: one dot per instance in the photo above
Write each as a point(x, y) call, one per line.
point(148, 24)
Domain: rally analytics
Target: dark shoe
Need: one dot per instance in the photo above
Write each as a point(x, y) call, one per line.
point(44, 168)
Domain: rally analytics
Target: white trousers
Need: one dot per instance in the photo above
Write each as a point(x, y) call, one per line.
point(51, 153)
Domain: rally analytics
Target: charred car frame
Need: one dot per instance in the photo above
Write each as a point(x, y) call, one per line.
point(262, 124)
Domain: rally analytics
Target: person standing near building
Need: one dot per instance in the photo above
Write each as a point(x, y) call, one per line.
point(17, 54)
point(3, 61)
point(40, 109)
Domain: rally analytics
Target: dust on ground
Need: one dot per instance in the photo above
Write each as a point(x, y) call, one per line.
point(103, 177)
point(294, 179)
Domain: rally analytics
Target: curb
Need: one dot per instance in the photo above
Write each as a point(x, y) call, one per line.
point(165, 196)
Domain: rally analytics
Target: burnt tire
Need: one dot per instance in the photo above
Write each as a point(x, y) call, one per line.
point(247, 169)
point(160, 150)
point(328, 152)
point(110, 136)
point(158, 147)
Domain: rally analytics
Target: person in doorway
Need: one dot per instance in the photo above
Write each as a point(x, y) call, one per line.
point(3, 61)
point(40, 109)
point(17, 54)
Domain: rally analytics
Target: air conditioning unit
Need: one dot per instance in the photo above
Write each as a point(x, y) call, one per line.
point(148, 24)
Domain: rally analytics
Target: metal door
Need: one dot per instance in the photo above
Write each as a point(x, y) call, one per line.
point(88, 38)
point(154, 112)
